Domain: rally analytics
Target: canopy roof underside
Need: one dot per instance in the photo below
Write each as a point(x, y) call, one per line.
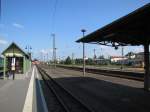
point(132, 29)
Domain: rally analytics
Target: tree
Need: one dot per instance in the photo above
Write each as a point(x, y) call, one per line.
point(68, 60)
point(101, 57)
point(89, 61)
point(130, 54)
point(78, 61)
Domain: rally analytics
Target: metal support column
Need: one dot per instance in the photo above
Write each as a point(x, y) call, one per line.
point(83, 59)
point(146, 62)
point(4, 68)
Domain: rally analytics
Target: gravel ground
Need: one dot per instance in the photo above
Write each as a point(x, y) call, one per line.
point(104, 93)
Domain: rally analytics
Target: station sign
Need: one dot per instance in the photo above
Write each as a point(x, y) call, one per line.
point(13, 63)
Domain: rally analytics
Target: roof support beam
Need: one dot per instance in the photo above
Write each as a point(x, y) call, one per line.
point(147, 70)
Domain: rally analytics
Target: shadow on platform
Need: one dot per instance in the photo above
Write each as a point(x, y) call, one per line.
point(107, 96)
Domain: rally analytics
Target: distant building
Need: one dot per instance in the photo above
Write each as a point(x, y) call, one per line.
point(101, 61)
point(130, 55)
point(138, 61)
point(135, 59)
point(139, 56)
point(117, 59)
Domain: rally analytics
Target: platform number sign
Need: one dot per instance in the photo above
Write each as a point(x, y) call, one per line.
point(13, 64)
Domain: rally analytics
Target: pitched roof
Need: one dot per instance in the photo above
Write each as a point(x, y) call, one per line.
point(14, 44)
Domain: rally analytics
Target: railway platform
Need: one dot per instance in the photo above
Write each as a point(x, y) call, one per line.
point(22, 94)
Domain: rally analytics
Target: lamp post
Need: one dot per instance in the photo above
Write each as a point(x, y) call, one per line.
point(83, 31)
point(122, 52)
point(28, 48)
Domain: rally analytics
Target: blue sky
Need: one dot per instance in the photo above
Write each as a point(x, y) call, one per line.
point(31, 22)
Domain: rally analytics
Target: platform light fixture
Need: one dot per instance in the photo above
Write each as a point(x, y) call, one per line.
point(28, 48)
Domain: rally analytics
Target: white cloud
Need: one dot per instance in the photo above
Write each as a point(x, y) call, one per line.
point(18, 25)
point(138, 49)
point(3, 41)
point(46, 51)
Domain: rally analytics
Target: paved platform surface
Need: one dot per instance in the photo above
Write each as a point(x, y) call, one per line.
point(104, 93)
point(13, 94)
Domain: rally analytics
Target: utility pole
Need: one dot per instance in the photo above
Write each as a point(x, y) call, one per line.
point(83, 31)
point(41, 56)
point(55, 57)
point(122, 52)
point(47, 57)
point(72, 59)
point(54, 50)
point(94, 52)
point(94, 56)
point(44, 59)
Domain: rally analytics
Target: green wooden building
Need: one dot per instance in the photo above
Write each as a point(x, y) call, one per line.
point(1, 64)
point(16, 60)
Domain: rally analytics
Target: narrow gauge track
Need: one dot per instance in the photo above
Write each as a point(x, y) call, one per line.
point(113, 73)
point(67, 102)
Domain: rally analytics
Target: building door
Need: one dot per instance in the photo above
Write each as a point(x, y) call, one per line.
point(19, 65)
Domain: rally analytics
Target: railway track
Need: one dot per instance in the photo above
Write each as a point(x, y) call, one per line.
point(63, 100)
point(113, 73)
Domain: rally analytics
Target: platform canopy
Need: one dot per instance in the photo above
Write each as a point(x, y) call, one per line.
point(132, 29)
